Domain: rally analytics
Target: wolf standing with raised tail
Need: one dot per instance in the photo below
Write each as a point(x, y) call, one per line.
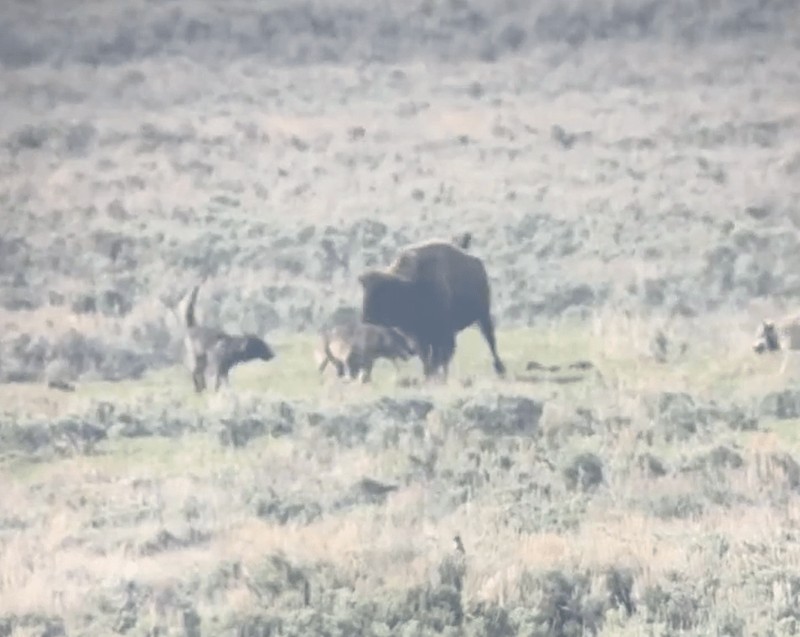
point(212, 350)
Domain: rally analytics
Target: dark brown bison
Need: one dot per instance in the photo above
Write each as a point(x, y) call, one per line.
point(431, 292)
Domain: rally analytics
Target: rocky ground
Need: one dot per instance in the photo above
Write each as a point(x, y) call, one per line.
point(629, 173)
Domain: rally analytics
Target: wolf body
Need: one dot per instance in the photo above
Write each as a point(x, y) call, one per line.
point(353, 348)
point(213, 352)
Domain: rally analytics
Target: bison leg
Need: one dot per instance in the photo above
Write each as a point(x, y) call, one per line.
point(427, 356)
point(353, 365)
point(446, 351)
point(442, 365)
point(487, 329)
point(442, 352)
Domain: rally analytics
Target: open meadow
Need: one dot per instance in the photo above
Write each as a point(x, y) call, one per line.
point(630, 173)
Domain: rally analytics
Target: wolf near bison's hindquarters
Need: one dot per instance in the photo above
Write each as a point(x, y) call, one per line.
point(213, 351)
point(354, 348)
point(432, 291)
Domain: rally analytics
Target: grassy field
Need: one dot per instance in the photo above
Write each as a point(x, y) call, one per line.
point(630, 500)
point(629, 172)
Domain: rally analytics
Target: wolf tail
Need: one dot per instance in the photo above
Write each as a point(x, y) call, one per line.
point(189, 315)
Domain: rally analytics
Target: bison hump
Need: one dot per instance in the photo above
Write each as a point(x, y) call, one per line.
point(406, 265)
point(438, 261)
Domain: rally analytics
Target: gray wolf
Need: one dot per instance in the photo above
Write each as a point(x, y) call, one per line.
point(212, 351)
point(354, 347)
point(431, 292)
point(781, 336)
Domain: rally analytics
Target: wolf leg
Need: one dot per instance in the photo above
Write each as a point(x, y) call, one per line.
point(366, 372)
point(198, 378)
point(199, 373)
point(784, 364)
point(218, 373)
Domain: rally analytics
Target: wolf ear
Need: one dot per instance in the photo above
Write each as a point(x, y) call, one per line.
point(768, 324)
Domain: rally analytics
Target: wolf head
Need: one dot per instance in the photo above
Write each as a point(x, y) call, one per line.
point(767, 339)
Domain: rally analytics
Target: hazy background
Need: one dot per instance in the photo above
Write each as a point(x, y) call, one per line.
point(641, 154)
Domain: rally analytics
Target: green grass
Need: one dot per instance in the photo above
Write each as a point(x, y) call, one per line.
point(787, 430)
point(137, 489)
point(650, 204)
point(293, 374)
point(151, 454)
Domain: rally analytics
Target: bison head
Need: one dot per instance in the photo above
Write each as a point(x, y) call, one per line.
point(387, 299)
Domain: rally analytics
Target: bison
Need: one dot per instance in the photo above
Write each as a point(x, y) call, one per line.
point(431, 292)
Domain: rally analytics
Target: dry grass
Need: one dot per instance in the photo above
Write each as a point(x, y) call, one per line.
point(88, 518)
point(629, 174)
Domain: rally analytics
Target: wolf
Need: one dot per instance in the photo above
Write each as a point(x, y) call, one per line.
point(213, 351)
point(352, 348)
point(778, 336)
